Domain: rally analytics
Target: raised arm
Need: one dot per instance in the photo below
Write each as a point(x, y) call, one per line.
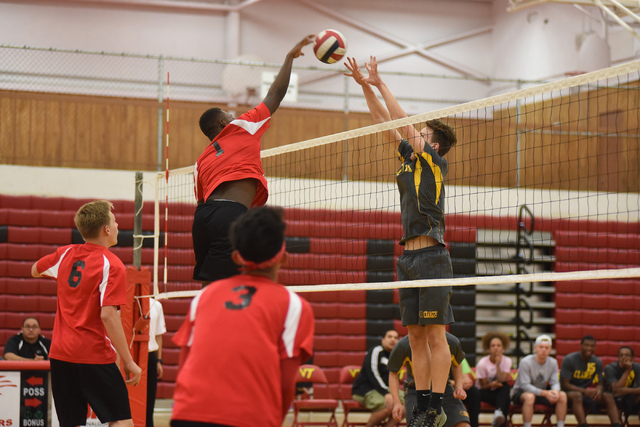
point(377, 109)
point(279, 87)
point(394, 108)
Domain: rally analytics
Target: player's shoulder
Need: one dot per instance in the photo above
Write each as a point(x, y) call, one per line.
point(258, 113)
point(452, 339)
point(114, 260)
point(528, 359)
point(402, 346)
point(484, 360)
point(14, 338)
point(612, 365)
point(571, 357)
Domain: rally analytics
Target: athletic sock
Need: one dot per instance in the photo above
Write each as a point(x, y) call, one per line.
point(584, 425)
point(424, 397)
point(528, 424)
point(436, 401)
point(561, 423)
point(615, 424)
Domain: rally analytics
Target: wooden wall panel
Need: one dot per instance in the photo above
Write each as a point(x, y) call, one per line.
point(563, 141)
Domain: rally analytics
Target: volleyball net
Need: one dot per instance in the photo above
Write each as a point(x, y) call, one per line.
point(543, 185)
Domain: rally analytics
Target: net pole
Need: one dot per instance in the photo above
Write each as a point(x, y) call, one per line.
point(137, 223)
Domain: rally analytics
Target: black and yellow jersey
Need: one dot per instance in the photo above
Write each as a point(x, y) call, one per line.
point(421, 185)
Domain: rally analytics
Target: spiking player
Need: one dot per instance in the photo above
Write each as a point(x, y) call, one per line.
point(244, 337)
point(425, 311)
point(228, 175)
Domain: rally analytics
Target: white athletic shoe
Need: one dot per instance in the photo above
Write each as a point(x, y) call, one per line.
point(498, 418)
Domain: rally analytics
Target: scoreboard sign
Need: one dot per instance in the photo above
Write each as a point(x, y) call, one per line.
point(34, 398)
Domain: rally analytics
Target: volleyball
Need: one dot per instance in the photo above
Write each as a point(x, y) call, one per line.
point(330, 46)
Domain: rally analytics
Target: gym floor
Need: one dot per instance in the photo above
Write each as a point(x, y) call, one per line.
point(162, 416)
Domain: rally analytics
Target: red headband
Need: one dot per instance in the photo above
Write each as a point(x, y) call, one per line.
point(250, 265)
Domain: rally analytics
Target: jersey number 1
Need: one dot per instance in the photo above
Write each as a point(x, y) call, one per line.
point(76, 274)
point(219, 150)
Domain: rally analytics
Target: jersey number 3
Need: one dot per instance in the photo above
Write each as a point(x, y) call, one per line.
point(76, 274)
point(244, 296)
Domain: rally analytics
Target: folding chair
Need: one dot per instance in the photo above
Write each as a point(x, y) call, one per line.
point(347, 375)
point(315, 375)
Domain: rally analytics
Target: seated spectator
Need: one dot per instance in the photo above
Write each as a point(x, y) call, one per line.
point(451, 404)
point(534, 373)
point(371, 386)
point(492, 373)
point(623, 380)
point(581, 370)
point(28, 344)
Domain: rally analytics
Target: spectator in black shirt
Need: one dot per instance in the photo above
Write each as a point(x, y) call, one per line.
point(28, 344)
point(371, 386)
point(623, 380)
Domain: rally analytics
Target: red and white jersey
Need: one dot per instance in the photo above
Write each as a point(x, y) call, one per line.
point(234, 155)
point(89, 277)
point(238, 330)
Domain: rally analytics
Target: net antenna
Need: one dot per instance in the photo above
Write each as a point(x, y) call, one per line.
point(568, 150)
point(166, 201)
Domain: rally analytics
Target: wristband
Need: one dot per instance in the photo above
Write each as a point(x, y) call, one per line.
point(160, 361)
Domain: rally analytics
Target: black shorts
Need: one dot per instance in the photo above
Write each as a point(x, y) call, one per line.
point(593, 406)
point(211, 245)
point(627, 403)
point(425, 306)
point(76, 385)
point(539, 399)
point(454, 408)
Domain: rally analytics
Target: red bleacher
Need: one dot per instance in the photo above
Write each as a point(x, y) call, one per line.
point(606, 309)
point(609, 310)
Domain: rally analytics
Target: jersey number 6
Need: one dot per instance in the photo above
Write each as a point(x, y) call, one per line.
point(76, 274)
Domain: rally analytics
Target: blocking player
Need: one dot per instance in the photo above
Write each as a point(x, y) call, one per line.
point(91, 287)
point(247, 377)
point(425, 311)
point(228, 175)
point(457, 415)
point(371, 386)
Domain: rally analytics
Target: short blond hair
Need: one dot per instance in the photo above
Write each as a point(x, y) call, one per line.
point(91, 217)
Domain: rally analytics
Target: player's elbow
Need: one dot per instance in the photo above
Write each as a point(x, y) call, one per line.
point(34, 270)
point(107, 313)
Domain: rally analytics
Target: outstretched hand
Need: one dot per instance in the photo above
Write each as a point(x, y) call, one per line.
point(372, 67)
point(297, 49)
point(356, 73)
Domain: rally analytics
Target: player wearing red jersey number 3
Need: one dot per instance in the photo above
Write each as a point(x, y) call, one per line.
point(244, 337)
point(87, 331)
point(228, 175)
